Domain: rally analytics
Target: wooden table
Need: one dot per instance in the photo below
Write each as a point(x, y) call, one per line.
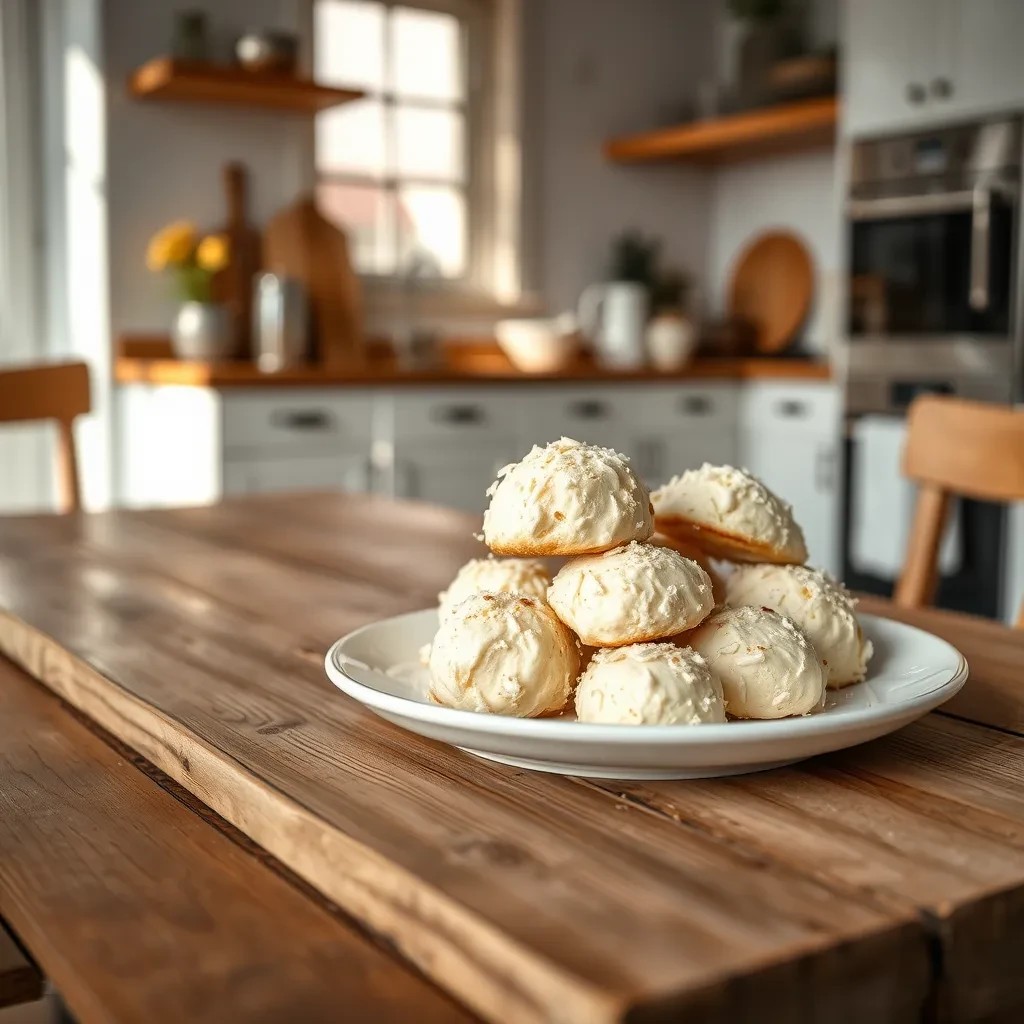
point(884, 883)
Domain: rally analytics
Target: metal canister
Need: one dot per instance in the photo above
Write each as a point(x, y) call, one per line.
point(280, 322)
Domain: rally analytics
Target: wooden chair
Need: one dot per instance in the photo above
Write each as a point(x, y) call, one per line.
point(58, 392)
point(954, 447)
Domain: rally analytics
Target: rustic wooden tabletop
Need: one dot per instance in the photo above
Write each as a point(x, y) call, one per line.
point(883, 883)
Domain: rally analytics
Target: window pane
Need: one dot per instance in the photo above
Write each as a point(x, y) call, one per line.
point(348, 44)
point(351, 138)
point(432, 225)
point(426, 55)
point(366, 214)
point(428, 143)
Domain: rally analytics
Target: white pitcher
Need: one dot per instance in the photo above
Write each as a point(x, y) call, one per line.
point(613, 316)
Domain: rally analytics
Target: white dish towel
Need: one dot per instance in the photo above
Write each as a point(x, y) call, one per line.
point(883, 503)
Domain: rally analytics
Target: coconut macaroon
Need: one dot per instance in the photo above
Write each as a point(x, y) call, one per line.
point(695, 554)
point(505, 654)
point(524, 576)
point(632, 594)
point(821, 607)
point(649, 684)
point(728, 513)
point(766, 666)
point(567, 498)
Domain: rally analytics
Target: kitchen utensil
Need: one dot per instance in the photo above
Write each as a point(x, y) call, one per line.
point(233, 285)
point(613, 316)
point(542, 345)
point(268, 51)
point(912, 672)
point(771, 286)
point(281, 321)
point(300, 244)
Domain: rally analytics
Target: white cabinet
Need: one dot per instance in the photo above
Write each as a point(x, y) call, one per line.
point(790, 438)
point(446, 445)
point(665, 429)
point(296, 473)
point(984, 45)
point(915, 63)
point(686, 426)
point(183, 445)
point(886, 44)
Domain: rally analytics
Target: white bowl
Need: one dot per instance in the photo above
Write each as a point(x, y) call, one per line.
point(911, 673)
point(539, 346)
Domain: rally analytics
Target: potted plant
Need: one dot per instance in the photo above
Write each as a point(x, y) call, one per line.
point(202, 328)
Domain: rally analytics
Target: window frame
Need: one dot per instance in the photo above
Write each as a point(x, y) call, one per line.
point(491, 188)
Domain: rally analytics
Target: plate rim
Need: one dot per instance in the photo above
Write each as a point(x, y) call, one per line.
point(707, 734)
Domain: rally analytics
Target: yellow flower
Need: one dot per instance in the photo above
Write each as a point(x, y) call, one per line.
point(213, 253)
point(171, 245)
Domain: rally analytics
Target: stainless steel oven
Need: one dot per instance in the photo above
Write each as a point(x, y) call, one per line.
point(934, 274)
point(932, 254)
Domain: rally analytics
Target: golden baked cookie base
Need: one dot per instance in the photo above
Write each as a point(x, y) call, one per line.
point(721, 544)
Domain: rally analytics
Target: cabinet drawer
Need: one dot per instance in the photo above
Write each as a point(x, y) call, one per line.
point(790, 406)
point(702, 407)
point(592, 415)
point(298, 418)
point(455, 414)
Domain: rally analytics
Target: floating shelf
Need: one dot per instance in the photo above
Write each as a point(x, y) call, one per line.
point(169, 80)
point(753, 133)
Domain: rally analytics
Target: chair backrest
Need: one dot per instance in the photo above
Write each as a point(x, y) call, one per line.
point(954, 447)
point(58, 392)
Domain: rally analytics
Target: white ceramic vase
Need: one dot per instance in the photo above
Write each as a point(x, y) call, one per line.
point(671, 339)
point(203, 331)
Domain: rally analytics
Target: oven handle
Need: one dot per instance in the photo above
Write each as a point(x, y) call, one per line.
point(910, 206)
point(981, 228)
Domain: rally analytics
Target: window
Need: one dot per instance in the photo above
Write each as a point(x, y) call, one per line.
point(394, 168)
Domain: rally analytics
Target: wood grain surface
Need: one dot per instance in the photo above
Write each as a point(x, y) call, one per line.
point(139, 910)
point(20, 981)
point(878, 884)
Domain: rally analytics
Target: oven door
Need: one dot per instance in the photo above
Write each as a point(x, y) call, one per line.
point(933, 264)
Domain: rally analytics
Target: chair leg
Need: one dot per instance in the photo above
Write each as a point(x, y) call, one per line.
point(920, 577)
point(67, 468)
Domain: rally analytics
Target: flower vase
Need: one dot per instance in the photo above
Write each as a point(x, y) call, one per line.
point(203, 332)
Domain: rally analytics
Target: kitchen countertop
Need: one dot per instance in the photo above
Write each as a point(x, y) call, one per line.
point(148, 361)
point(877, 883)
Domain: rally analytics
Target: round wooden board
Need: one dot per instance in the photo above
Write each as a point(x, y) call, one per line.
point(771, 287)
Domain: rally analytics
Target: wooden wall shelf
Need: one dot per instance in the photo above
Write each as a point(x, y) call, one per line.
point(753, 133)
point(169, 80)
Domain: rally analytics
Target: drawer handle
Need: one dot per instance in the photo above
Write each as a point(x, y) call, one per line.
point(459, 415)
point(589, 409)
point(695, 405)
point(791, 408)
point(303, 419)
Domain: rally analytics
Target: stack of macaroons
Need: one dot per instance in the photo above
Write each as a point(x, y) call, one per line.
point(639, 616)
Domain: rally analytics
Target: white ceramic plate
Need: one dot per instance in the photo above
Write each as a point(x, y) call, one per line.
point(911, 673)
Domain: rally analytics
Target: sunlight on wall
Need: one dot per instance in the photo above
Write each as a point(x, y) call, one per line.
point(86, 240)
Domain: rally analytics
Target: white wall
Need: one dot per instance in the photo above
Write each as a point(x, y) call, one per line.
point(595, 69)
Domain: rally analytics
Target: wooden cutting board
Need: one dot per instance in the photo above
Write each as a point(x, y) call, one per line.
point(771, 288)
point(233, 285)
point(300, 243)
